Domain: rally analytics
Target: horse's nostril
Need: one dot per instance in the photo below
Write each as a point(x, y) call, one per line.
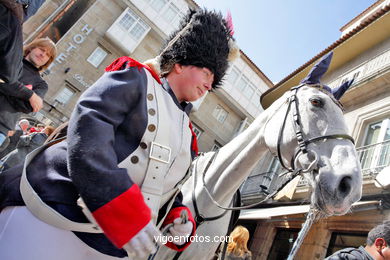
point(345, 185)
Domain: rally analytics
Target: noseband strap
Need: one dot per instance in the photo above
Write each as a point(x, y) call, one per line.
point(326, 137)
point(302, 143)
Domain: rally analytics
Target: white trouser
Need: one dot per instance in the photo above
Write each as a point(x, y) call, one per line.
point(23, 236)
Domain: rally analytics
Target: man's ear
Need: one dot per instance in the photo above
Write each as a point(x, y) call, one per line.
point(178, 68)
point(380, 243)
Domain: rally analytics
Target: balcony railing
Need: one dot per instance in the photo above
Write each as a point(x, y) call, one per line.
point(373, 158)
point(365, 70)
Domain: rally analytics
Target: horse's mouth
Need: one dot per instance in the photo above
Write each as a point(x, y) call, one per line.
point(321, 202)
point(320, 206)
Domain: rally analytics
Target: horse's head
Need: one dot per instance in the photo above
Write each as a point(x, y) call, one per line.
point(307, 131)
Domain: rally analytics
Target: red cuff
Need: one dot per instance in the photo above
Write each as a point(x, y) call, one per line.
point(172, 215)
point(124, 216)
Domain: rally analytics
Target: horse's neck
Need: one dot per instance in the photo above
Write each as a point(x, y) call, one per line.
point(235, 161)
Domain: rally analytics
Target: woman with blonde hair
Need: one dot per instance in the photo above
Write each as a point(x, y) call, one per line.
point(237, 248)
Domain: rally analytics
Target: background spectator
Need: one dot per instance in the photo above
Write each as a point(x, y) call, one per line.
point(13, 137)
point(377, 247)
point(26, 144)
point(237, 248)
point(13, 13)
point(39, 54)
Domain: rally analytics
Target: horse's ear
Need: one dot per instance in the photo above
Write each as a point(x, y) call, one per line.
point(339, 91)
point(318, 70)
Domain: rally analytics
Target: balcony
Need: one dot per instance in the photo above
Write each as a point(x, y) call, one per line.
point(366, 70)
point(373, 158)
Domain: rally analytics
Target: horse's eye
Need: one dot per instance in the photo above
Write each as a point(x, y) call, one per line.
point(316, 102)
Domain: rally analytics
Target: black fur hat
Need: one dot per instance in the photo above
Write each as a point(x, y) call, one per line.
point(204, 39)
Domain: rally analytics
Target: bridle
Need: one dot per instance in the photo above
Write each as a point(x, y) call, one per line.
point(302, 141)
point(292, 172)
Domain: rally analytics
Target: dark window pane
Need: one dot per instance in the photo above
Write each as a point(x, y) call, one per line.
point(340, 241)
point(283, 243)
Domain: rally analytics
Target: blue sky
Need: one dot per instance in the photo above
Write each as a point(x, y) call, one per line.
point(281, 35)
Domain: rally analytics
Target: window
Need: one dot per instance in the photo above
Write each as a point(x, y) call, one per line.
point(134, 25)
point(220, 114)
point(172, 14)
point(283, 242)
point(375, 153)
point(242, 83)
point(128, 30)
point(127, 21)
point(248, 91)
point(64, 95)
point(196, 130)
point(97, 57)
point(168, 10)
point(216, 146)
point(139, 29)
point(233, 75)
point(340, 241)
point(244, 124)
point(268, 176)
point(356, 75)
point(344, 80)
point(274, 166)
point(158, 4)
point(256, 99)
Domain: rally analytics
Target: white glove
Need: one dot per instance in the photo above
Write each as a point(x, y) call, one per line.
point(142, 244)
point(181, 231)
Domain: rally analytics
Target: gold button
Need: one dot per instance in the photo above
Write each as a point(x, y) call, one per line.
point(151, 128)
point(143, 145)
point(152, 112)
point(150, 97)
point(134, 159)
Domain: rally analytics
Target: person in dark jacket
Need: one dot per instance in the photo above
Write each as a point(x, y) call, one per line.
point(39, 54)
point(13, 137)
point(13, 13)
point(26, 144)
point(377, 248)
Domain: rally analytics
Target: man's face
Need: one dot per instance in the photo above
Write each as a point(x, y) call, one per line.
point(386, 253)
point(24, 126)
point(193, 82)
point(38, 56)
